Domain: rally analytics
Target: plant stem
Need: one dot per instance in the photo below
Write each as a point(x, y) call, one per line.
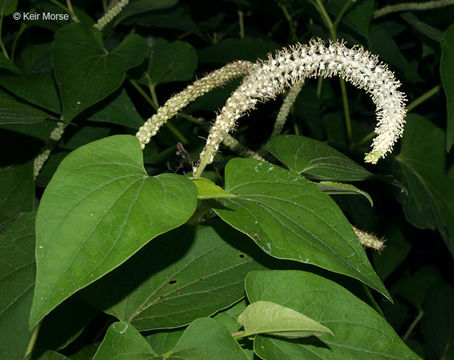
point(326, 18)
point(411, 6)
point(290, 22)
point(342, 13)
point(413, 325)
point(427, 95)
point(372, 300)
point(238, 334)
point(22, 28)
point(423, 97)
point(169, 125)
point(32, 342)
point(153, 95)
point(241, 21)
point(1, 42)
point(332, 27)
point(71, 11)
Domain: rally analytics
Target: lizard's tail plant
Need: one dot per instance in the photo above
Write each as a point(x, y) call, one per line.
point(292, 66)
point(111, 14)
point(200, 87)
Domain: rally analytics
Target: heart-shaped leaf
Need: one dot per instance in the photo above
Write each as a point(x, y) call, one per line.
point(98, 210)
point(174, 61)
point(85, 71)
point(265, 317)
point(14, 112)
point(359, 331)
point(289, 217)
point(315, 159)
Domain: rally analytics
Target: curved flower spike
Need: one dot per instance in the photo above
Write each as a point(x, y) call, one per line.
point(200, 87)
point(292, 66)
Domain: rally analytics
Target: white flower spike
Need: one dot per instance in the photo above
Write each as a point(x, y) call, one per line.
point(292, 66)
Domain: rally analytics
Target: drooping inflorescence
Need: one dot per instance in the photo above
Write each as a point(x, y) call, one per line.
point(316, 59)
point(200, 87)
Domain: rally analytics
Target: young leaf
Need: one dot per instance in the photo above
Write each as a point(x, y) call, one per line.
point(206, 189)
point(203, 273)
point(428, 201)
point(289, 217)
point(17, 276)
point(169, 62)
point(17, 190)
point(359, 331)
point(315, 159)
point(265, 317)
point(98, 210)
point(447, 79)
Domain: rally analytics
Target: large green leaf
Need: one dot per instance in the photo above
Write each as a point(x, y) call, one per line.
point(359, 331)
point(39, 89)
point(315, 159)
point(85, 71)
point(289, 217)
point(14, 112)
point(159, 289)
point(447, 79)
point(98, 210)
point(17, 190)
point(265, 317)
point(169, 62)
point(205, 338)
point(428, 199)
point(17, 276)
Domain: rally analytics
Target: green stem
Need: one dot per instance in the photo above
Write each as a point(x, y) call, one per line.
point(71, 11)
point(319, 87)
point(61, 6)
point(290, 22)
point(238, 334)
point(104, 5)
point(169, 125)
point(427, 95)
point(22, 28)
point(241, 21)
point(32, 342)
point(348, 122)
point(1, 41)
point(333, 31)
point(326, 19)
point(342, 13)
point(413, 325)
point(372, 300)
point(423, 97)
point(153, 95)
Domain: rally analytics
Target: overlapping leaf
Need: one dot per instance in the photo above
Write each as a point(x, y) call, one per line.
point(359, 331)
point(315, 159)
point(289, 217)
